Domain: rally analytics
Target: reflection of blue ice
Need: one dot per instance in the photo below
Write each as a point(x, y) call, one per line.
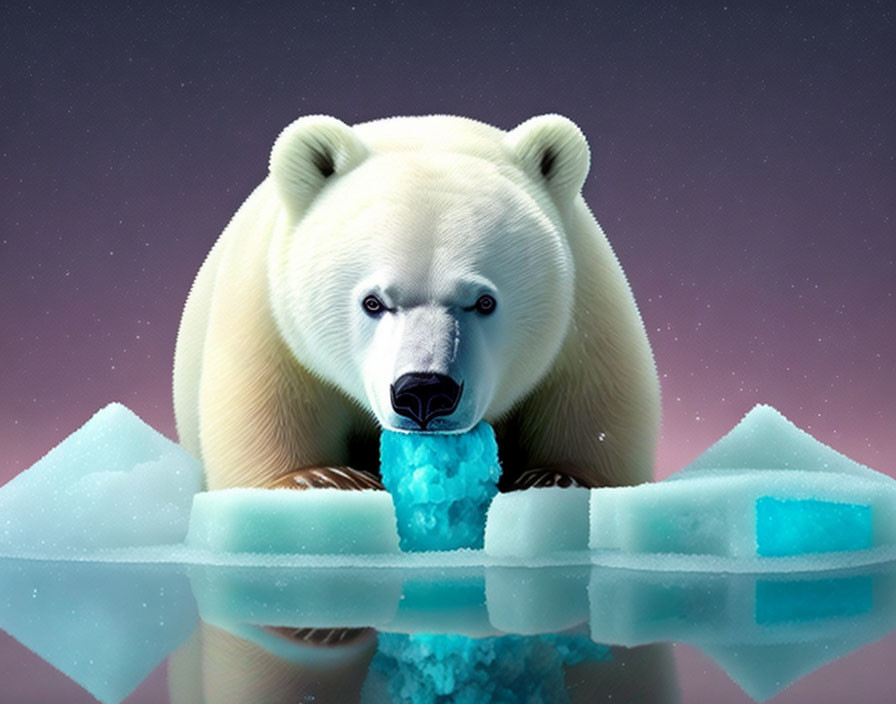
point(428, 668)
point(487, 630)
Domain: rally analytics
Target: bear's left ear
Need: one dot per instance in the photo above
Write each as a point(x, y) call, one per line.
point(553, 150)
point(308, 153)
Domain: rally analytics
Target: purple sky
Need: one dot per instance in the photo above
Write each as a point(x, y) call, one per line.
point(742, 167)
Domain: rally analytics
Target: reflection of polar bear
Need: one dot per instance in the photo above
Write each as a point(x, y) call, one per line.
point(216, 667)
point(416, 273)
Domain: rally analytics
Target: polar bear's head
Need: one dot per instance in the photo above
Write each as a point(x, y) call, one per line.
point(421, 264)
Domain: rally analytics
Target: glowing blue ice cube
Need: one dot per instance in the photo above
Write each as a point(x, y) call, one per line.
point(801, 526)
point(442, 485)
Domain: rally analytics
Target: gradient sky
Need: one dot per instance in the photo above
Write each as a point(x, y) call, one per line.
point(742, 168)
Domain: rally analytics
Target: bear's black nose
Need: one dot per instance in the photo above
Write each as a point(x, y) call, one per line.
point(423, 396)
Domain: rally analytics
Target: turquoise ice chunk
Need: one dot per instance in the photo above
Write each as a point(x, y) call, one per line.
point(442, 485)
point(801, 526)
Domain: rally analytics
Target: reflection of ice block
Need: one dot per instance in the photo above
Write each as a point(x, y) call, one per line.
point(765, 631)
point(529, 600)
point(442, 485)
point(475, 601)
point(537, 521)
point(804, 499)
point(399, 600)
point(105, 626)
point(113, 483)
point(635, 607)
point(312, 521)
point(302, 598)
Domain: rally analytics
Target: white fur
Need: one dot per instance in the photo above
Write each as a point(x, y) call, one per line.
point(277, 364)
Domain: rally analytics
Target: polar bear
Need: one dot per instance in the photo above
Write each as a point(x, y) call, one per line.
point(416, 273)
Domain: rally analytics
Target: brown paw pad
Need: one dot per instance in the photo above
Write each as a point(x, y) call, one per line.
point(544, 478)
point(322, 637)
point(329, 478)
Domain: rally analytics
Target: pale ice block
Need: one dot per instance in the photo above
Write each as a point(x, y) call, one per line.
point(537, 521)
point(767, 489)
point(312, 521)
point(765, 439)
point(750, 514)
point(113, 483)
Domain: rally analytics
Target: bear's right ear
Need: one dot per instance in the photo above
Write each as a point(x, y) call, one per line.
point(308, 153)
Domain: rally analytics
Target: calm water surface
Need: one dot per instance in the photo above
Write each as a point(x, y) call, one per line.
point(82, 632)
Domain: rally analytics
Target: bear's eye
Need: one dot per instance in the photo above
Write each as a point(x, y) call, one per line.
point(485, 304)
point(373, 305)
